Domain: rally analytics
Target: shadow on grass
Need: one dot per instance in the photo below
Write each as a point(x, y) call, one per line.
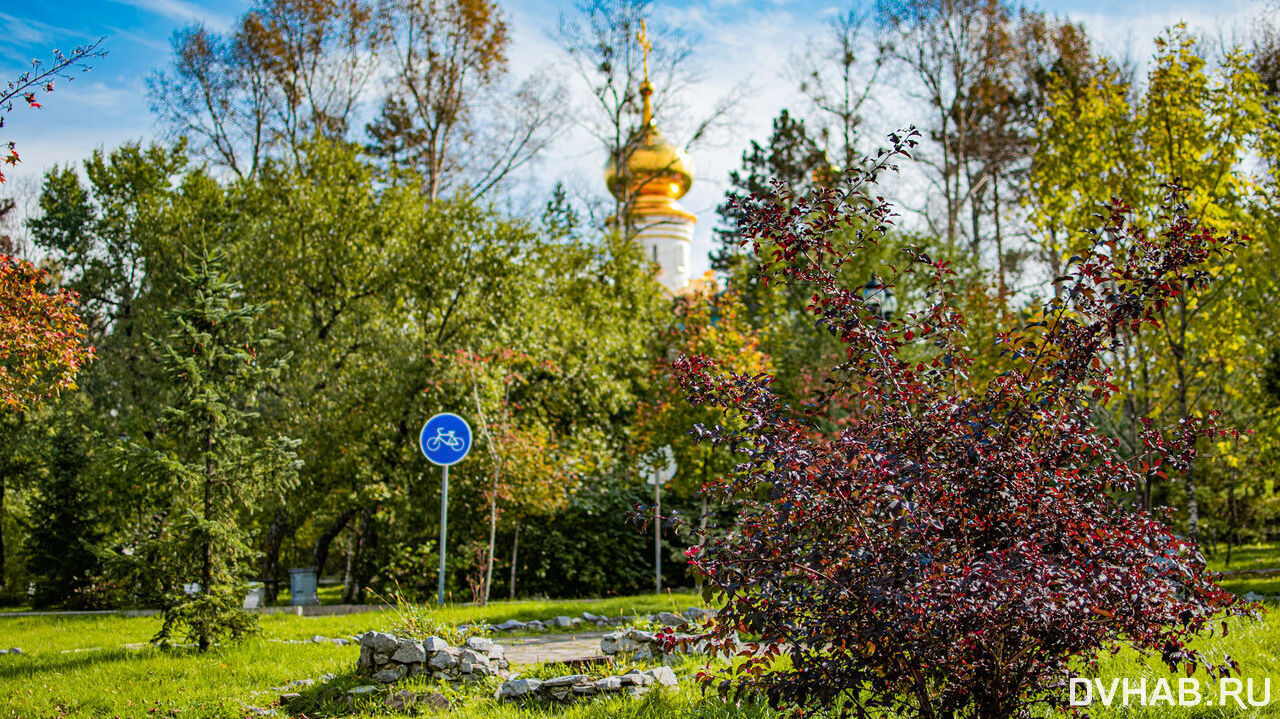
point(12, 667)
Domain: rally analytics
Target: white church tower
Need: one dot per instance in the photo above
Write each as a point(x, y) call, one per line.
point(654, 175)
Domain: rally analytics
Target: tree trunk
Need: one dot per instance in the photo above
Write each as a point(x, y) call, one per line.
point(271, 542)
point(346, 573)
point(320, 552)
point(1231, 521)
point(206, 572)
point(515, 544)
point(1180, 371)
point(995, 209)
point(353, 592)
point(493, 540)
point(2, 573)
point(702, 532)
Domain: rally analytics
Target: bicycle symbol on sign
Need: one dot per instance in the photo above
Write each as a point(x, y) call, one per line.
point(445, 438)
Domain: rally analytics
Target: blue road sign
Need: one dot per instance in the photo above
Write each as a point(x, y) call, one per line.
point(445, 439)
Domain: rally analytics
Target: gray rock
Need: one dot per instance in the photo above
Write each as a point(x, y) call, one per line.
point(415, 669)
point(402, 700)
point(560, 694)
point(566, 681)
point(663, 676)
point(479, 668)
point(615, 642)
point(435, 701)
point(592, 617)
point(328, 677)
point(510, 626)
point(609, 684)
point(382, 642)
point(471, 655)
point(698, 613)
point(635, 677)
point(584, 690)
point(643, 653)
point(287, 699)
point(497, 651)
point(638, 691)
point(318, 639)
point(434, 644)
point(641, 637)
point(517, 688)
point(15, 650)
point(391, 674)
point(340, 641)
point(302, 682)
point(668, 619)
point(380, 658)
point(365, 689)
point(563, 622)
point(535, 625)
point(443, 660)
point(408, 652)
point(480, 644)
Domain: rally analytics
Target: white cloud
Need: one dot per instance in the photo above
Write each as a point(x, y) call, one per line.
point(182, 11)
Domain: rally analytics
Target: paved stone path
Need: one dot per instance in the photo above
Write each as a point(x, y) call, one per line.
point(520, 651)
point(550, 648)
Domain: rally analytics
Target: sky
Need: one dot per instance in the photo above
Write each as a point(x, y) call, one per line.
point(738, 43)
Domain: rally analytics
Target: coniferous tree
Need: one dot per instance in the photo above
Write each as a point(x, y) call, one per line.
point(791, 157)
point(58, 547)
point(206, 452)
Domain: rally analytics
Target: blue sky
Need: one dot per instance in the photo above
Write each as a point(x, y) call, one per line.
point(108, 105)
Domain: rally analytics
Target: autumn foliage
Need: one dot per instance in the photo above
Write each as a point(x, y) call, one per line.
point(952, 549)
point(41, 338)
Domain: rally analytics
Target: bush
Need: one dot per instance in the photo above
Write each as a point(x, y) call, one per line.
point(953, 548)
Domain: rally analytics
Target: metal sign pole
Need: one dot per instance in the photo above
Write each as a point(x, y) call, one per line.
point(445, 439)
point(444, 529)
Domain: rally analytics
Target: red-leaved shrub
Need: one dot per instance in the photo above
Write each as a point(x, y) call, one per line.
point(951, 550)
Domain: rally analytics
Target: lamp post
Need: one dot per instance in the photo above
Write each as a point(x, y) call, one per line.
point(879, 298)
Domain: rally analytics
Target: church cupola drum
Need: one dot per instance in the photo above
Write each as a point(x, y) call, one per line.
point(649, 181)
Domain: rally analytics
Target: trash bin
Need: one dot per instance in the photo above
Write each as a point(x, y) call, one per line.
point(302, 587)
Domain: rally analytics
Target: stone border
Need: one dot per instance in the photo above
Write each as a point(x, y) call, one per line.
point(387, 659)
point(573, 687)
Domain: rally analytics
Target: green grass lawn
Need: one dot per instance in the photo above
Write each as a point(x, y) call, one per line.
point(1249, 557)
point(77, 667)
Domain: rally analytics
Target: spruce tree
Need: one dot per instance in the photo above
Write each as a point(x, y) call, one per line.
point(64, 527)
point(207, 453)
point(791, 157)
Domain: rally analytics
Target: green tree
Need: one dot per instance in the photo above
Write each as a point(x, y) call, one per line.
point(1194, 125)
point(707, 324)
point(206, 449)
point(790, 156)
point(60, 541)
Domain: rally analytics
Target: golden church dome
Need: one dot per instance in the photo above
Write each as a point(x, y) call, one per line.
point(654, 166)
point(656, 171)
